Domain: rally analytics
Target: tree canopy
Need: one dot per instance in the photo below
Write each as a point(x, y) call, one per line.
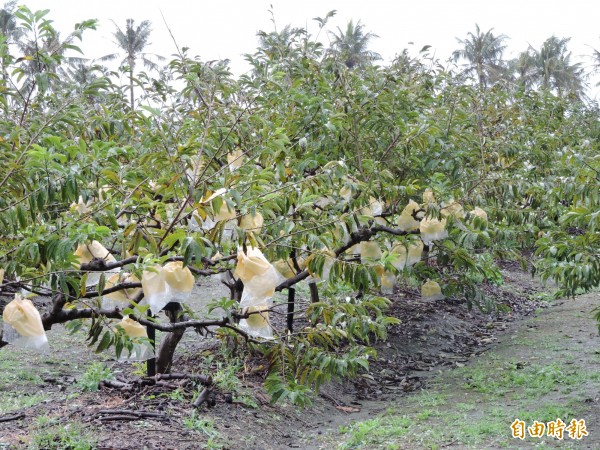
point(353, 181)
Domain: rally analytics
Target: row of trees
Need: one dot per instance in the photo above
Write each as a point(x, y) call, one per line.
point(482, 54)
point(332, 167)
point(550, 67)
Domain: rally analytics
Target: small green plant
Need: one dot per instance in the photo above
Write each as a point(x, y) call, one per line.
point(96, 373)
point(139, 368)
point(195, 422)
point(376, 433)
point(225, 378)
point(177, 394)
point(49, 434)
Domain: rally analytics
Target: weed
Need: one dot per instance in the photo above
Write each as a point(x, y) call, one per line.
point(428, 398)
point(246, 400)
point(197, 423)
point(465, 407)
point(19, 400)
point(49, 434)
point(95, 373)
point(532, 381)
point(177, 394)
point(225, 377)
point(139, 369)
point(376, 433)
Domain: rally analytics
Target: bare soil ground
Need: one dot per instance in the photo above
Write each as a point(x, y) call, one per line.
point(425, 354)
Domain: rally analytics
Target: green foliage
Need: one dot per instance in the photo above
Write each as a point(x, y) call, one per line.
point(327, 155)
point(92, 377)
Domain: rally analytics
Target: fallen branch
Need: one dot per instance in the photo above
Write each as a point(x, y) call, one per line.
point(116, 385)
point(202, 397)
point(12, 417)
point(205, 380)
point(132, 412)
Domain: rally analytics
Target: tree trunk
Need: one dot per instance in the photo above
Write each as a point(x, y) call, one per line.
point(131, 84)
point(314, 292)
point(169, 342)
point(290, 309)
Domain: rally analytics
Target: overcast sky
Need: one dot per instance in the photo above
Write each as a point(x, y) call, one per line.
point(227, 28)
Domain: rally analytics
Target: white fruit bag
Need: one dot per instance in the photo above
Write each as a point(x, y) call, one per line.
point(388, 280)
point(252, 223)
point(433, 230)
point(120, 299)
point(141, 350)
point(407, 256)
point(260, 279)
point(406, 221)
point(156, 289)
point(180, 281)
point(86, 252)
point(23, 325)
point(431, 290)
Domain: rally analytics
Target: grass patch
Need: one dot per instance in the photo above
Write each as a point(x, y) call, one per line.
point(521, 379)
point(492, 395)
point(19, 400)
point(376, 433)
point(49, 434)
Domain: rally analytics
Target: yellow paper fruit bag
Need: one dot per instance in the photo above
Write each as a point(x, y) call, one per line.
point(141, 350)
point(260, 279)
point(259, 320)
point(406, 221)
point(23, 324)
point(454, 209)
point(252, 223)
point(433, 229)
point(388, 280)
point(431, 290)
point(428, 197)
point(156, 289)
point(407, 256)
point(370, 249)
point(120, 299)
point(180, 280)
point(478, 212)
point(86, 252)
point(285, 268)
point(235, 159)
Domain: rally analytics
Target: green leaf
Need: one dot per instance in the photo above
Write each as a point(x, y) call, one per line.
point(104, 342)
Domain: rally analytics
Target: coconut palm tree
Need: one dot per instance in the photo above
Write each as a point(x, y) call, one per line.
point(595, 62)
point(352, 45)
point(278, 45)
point(8, 22)
point(483, 52)
point(132, 42)
point(551, 68)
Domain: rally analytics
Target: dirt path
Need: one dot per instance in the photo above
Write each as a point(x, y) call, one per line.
point(542, 368)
